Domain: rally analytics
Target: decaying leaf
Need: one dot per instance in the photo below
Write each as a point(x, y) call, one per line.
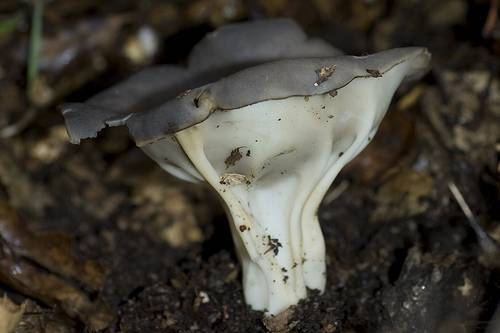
point(37, 266)
point(403, 195)
point(10, 315)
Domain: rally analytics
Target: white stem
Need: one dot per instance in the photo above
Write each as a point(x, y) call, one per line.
point(271, 169)
point(266, 285)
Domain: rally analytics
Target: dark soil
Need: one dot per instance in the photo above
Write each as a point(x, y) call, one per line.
point(403, 256)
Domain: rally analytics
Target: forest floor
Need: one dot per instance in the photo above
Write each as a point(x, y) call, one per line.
point(97, 237)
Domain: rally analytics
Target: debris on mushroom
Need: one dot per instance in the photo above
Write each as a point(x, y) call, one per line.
point(300, 108)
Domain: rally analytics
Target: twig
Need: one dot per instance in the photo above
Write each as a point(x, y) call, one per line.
point(437, 133)
point(11, 130)
point(491, 19)
point(487, 243)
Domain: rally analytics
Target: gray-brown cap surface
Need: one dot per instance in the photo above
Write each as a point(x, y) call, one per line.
point(163, 100)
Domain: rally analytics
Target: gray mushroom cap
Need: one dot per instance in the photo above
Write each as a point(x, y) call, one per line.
point(262, 41)
point(161, 101)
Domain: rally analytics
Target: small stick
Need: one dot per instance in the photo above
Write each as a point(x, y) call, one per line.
point(487, 243)
point(491, 19)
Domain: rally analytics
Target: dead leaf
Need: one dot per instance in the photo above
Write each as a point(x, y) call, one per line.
point(27, 261)
point(10, 315)
point(403, 195)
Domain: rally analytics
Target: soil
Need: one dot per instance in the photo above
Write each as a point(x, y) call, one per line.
point(96, 238)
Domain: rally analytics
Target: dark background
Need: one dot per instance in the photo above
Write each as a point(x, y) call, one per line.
point(97, 237)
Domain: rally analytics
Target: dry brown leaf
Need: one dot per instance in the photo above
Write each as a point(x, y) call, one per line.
point(10, 314)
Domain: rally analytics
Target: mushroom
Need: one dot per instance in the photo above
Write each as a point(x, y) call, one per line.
point(268, 118)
